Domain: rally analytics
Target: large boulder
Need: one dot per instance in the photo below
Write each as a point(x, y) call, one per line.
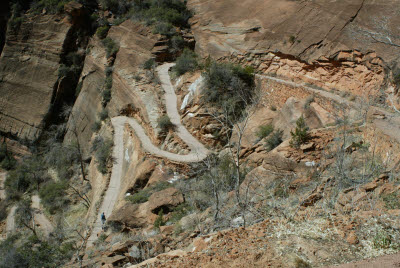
point(143, 215)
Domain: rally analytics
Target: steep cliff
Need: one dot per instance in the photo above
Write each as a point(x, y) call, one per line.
point(31, 85)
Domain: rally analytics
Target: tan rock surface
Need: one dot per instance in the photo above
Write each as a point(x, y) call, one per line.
point(28, 74)
point(324, 42)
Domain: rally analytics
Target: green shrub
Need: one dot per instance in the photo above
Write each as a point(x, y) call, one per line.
point(264, 130)
point(300, 135)
point(392, 200)
point(159, 186)
point(108, 71)
point(51, 6)
point(177, 43)
point(172, 12)
point(164, 28)
point(111, 47)
point(139, 197)
point(159, 220)
point(230, 87)
point(103, 115)
point(53, 196)
point(273, 108)
point(143, 195)
point(102, 31)
point(179, 212)
point(274, 139)
point(108, 82)
point(8, 163)
point(382, 240)
point(106, 94)
point(187, 62)
point(149, 64)
point(164, 123)
point(102, 149)
point(3, 210)
point(96, 126)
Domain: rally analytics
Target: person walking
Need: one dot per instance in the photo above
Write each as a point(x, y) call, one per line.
point(103, 220)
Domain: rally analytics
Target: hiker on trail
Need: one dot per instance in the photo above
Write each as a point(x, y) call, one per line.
point(103, 220)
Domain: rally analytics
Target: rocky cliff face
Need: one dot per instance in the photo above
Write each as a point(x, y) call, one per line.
point(3, 23)
point(338, 44)
point(31, 86)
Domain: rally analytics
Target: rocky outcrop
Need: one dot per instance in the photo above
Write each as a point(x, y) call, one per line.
point(137, 44)
point(340, 45)
point(143, 215)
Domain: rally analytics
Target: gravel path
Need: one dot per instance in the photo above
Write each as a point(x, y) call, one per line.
point(2, 180)
point(40, 219)
point(10, 220)
point(198, 151)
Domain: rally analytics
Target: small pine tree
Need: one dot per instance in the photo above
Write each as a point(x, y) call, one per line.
point(300, 134)
point(160, 219)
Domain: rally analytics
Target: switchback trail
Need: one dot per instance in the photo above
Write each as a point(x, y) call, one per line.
point(197, 150)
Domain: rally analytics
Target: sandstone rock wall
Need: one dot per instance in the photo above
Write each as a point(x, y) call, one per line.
point(28, 74)
point(340, 44)
point(88, 103)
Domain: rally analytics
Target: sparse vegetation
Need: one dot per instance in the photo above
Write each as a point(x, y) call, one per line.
point(274, 139)
point(149, 64)
point(102, 149)
point(103, 115)
point(187, 62)
point(165, 124)
point(392, 200)
point(159, 220)
point(111, 47)
point(53, 196)
point(264, 131)
point(7, 161)
point(139, 197)
point(300, 135)
point(143, 195)
point(102, 31)
point(230, 87)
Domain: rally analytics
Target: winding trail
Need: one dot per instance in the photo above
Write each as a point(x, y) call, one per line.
point(10, 220)
point(197, 150)
point(40, 219)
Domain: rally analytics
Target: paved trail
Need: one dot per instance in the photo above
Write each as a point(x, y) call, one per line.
point(40, 219)
point(197, 150)
point(10, 220)
point(2, 180)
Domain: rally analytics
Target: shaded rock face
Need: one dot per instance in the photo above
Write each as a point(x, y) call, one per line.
point(88, 103)
point(4, 13)
point(31, 91)
point(329, 41)
point(28, 75)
